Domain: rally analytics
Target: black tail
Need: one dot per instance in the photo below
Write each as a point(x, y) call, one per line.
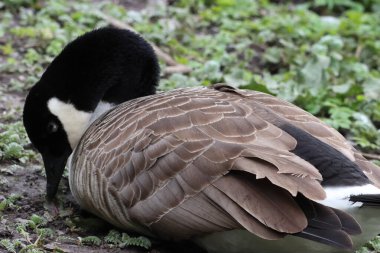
point(327, 225)
point(349, 224)
point(336, 238)
point(335, 168)
point(367, 199)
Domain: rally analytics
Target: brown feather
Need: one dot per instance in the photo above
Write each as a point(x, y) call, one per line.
point(281, 110)
point(262, 169)
point(174, 162)
point(269, 204)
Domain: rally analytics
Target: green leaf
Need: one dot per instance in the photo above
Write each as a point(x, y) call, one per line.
point(313, 73)
point(38, 220)
point(13, 149)
point(140, 241)
point(8, 245)
point(91, 240)
point(238, 77)
point(372, 88)
point(226, 2)
point(342, 89)
point(375, 243)
point(113, 237)
point(340, 117)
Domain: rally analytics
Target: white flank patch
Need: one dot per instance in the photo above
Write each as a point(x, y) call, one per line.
point(101, 108)
point(338, 197)
point(74, 121)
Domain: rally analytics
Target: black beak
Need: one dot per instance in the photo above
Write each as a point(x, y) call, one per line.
point(54, 167)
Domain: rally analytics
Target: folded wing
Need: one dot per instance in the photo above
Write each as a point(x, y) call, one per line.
point(196, 161)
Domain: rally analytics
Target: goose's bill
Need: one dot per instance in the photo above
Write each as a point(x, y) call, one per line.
point(54, 167)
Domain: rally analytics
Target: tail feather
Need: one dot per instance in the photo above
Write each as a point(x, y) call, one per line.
point(366, 199)
point(349, 224)
point(336, 238)
point(325, 219)
point(327, 225)
point(318, 216)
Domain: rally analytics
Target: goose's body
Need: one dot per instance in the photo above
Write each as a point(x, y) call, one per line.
point(193, 162)
point(225, 167)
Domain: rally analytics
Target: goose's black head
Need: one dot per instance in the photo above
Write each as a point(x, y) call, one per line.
point(104, 67)
point(48, 136)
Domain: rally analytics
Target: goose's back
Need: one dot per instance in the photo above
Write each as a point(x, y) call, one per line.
point(200, 160)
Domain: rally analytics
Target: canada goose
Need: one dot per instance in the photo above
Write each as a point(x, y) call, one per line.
point(215, 164)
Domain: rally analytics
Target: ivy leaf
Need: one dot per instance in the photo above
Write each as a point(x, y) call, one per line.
point(238, 77)
point(313, 73)
point(372, 88)
point(342, 89)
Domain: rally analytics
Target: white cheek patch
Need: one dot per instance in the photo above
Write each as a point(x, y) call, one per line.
point(74, 121)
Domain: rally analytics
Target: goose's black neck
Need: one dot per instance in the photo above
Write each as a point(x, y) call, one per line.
point(107, 64)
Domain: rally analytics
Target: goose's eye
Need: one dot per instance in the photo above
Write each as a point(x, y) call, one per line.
point(52, 127)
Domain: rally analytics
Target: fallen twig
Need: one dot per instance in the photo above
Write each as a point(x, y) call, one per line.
point(371, 156)
point(173, 66)
point(358, 51)
point(177, 69)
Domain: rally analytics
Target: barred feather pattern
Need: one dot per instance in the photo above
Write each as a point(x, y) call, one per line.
point(195, 161)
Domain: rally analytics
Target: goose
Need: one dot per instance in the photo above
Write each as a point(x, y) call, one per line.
point(233, 170)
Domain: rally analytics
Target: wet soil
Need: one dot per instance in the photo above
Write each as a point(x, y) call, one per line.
point(28, 184)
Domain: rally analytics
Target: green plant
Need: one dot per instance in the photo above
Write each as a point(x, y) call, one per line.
point(140, 241)
point(29, 229)
point(124, 240)
point(8, 245)
point(113, 237)
point(12, 140)
point(90, 240)
point(371, 246)
point(9, 202)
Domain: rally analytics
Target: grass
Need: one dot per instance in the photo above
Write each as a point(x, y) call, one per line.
point(13, 141)
point(326, 63)
point(32, 235)
point(321, 55)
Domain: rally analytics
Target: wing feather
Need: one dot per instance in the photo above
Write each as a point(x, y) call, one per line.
point(211, 156)
point(312, 125)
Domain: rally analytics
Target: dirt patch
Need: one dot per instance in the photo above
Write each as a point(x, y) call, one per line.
point(136, 5)
point(11, 105)
point(28, 185)
point(132, 4)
